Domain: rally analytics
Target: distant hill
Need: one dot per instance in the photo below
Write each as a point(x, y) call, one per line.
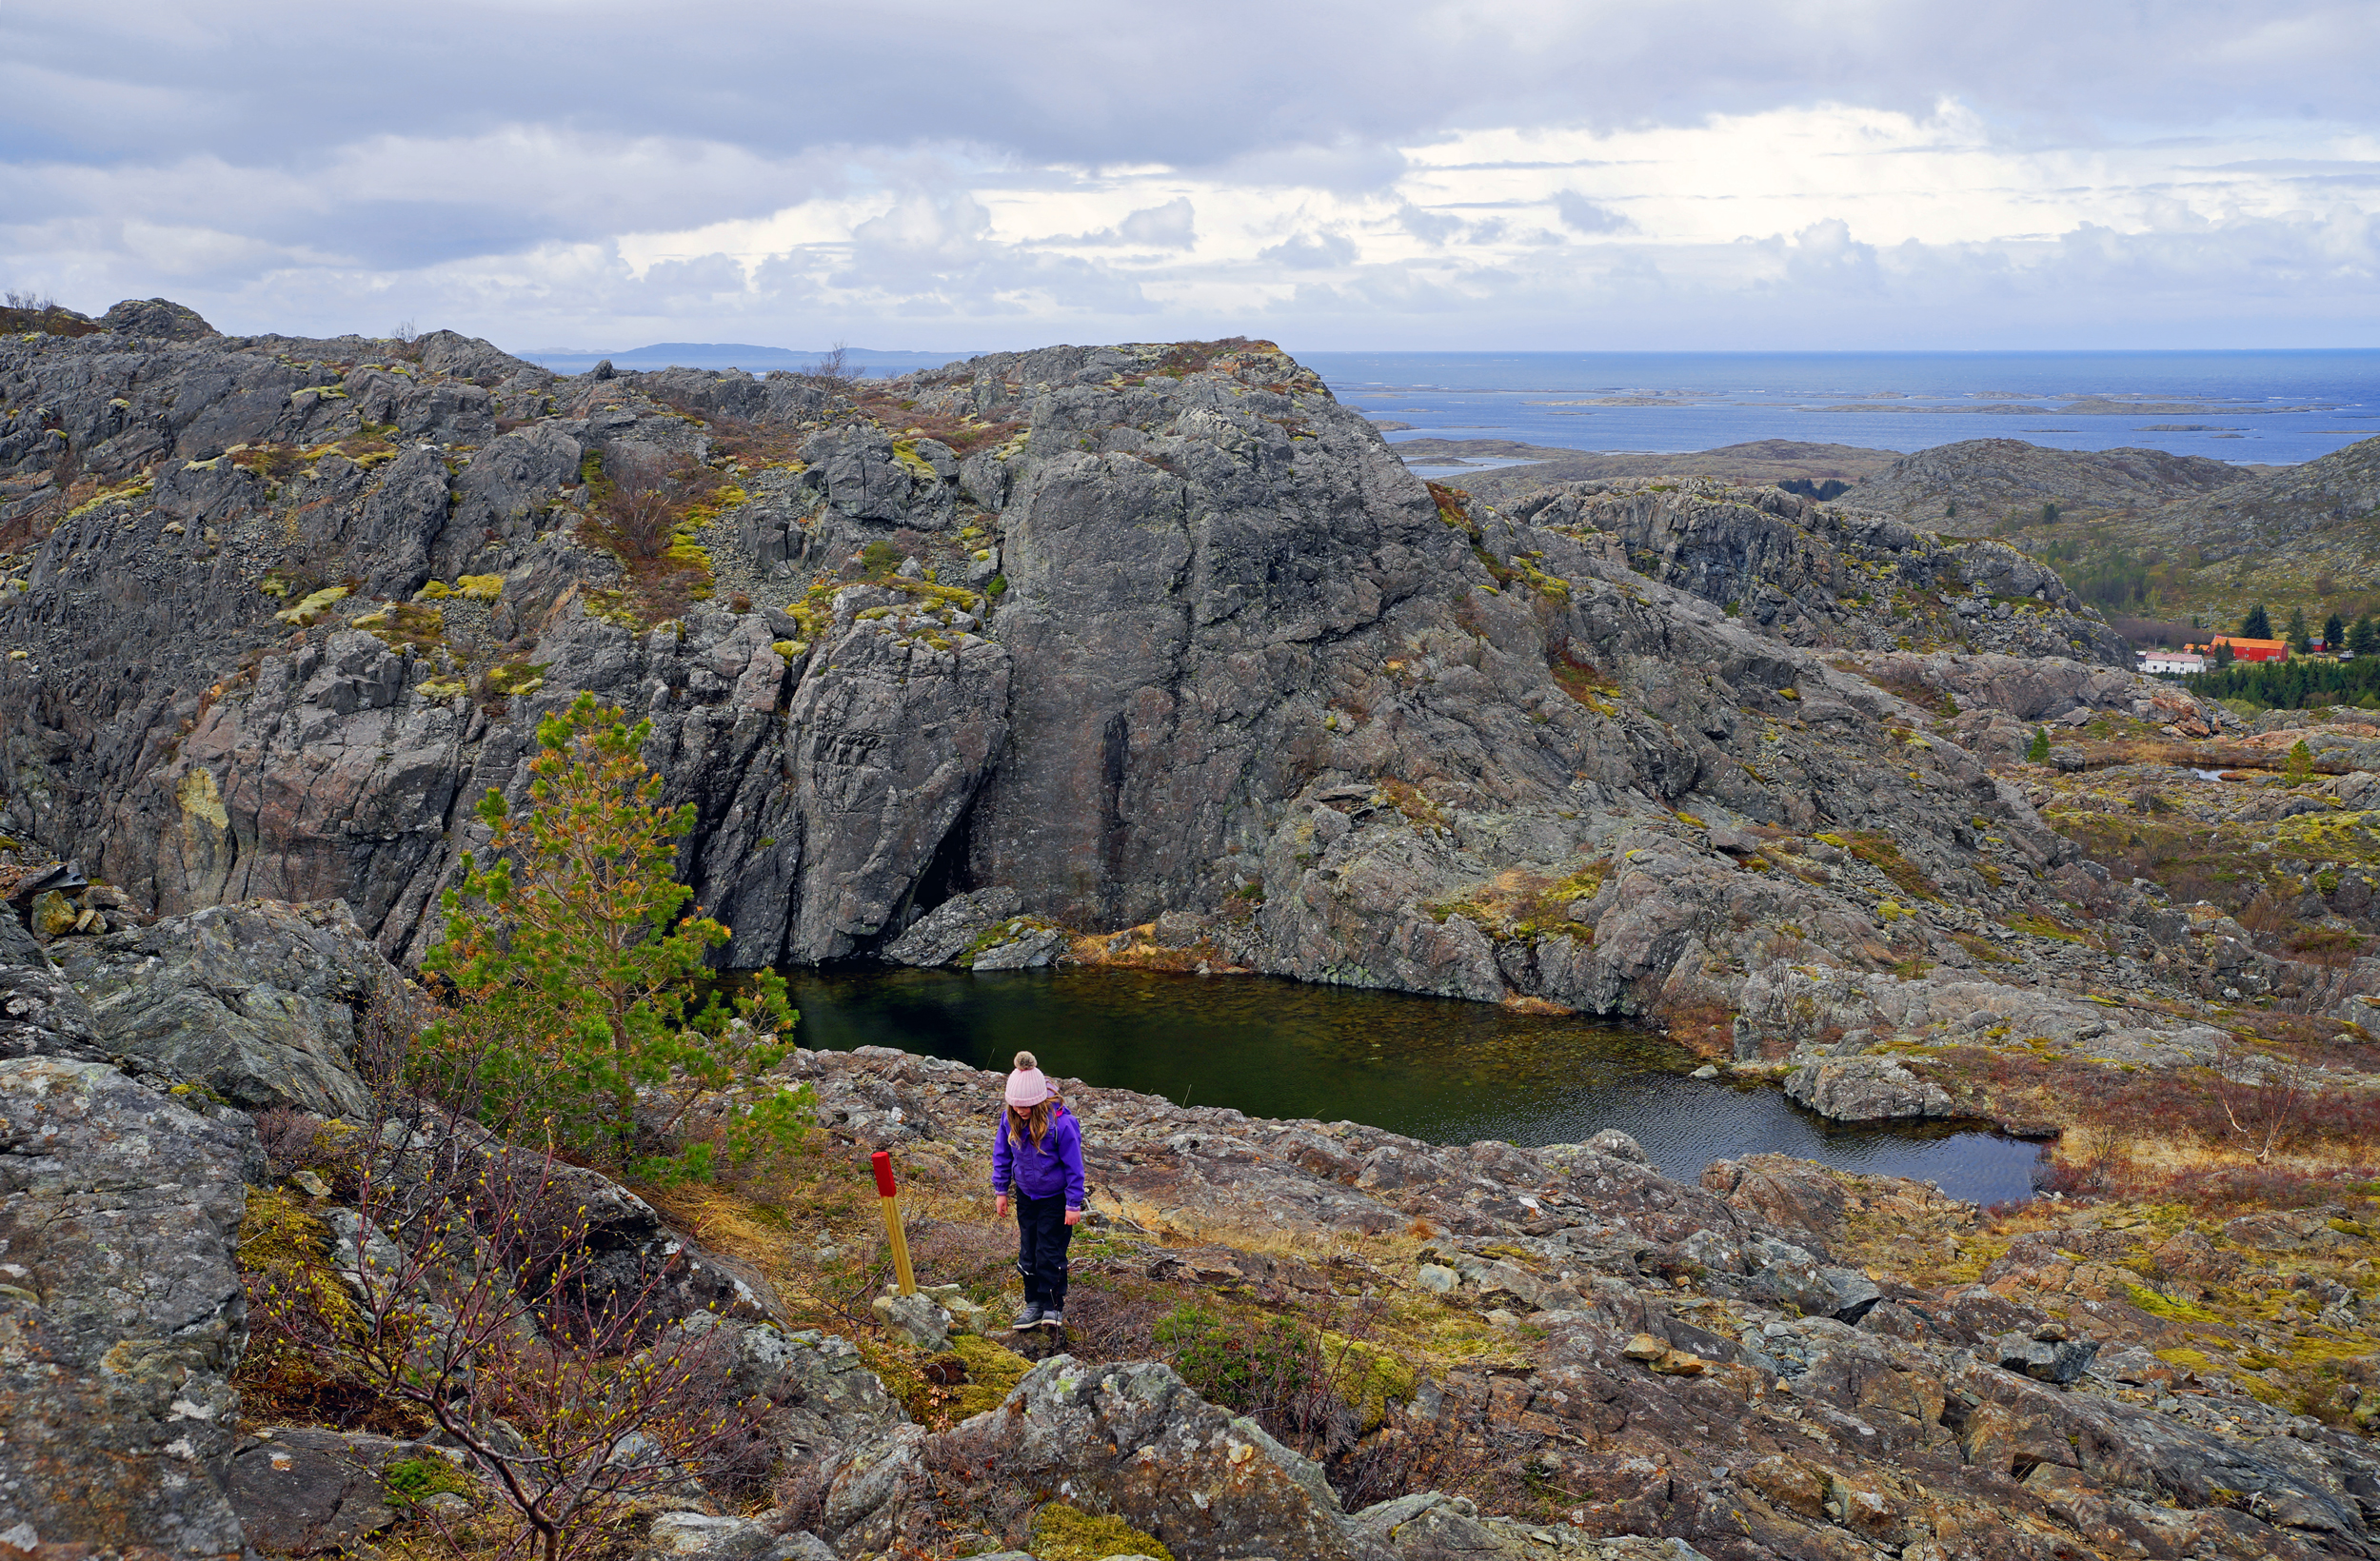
point(754, 360)
point(1779, 461)
point(2303, 538)
point(2299, 537)
point(2334, 497)
point(1990, 479)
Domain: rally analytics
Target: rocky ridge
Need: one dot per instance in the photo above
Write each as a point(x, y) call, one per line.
point(1707, 1363)
point(2296, 506)
point(1977, 483)
point(1216, 656)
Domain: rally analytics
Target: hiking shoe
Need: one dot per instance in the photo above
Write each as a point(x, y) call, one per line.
point(1030, 1316)
point(1053, 1318)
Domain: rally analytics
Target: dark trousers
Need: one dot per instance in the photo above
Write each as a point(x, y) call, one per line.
point(1042, 1238)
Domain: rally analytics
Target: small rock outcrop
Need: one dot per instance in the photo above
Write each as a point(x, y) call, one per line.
point(1865, 1089)
point(260, 1001)
point(953, 928)
point(306, 1492)
point(1974, 483)
point(159, 318)
point(1130, 1439)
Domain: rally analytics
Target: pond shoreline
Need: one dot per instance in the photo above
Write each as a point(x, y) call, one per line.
point(1439, 1069)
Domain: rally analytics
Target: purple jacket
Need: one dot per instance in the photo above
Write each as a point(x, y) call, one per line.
point(1056, 1167)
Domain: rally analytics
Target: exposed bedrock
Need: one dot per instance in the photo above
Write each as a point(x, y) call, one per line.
point(1218, 658)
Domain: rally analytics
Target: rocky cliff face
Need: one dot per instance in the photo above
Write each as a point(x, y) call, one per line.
point(1125, 631)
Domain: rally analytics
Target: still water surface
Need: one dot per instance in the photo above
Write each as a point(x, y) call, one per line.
point(1433, 1068)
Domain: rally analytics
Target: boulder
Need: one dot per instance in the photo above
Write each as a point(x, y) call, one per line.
point(700, 1536)
point(1619, 1146)
point(121, 1312)
point(1864, 1089)
point(2319, 1230)
point(816, 1395)
point(634, 1254)
point(1133, 1439)
point(951, 928)
point(858, 472)
point(2045, 1359)
point(1784, 1275)
point(41, 1014)
point(1429, 1526)
point(258, 1001)
point(926, 1324)
point(1022, 945)
point(304, 1492)
point(157, 317)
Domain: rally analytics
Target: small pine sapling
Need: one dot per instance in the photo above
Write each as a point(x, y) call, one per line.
point(574, 977)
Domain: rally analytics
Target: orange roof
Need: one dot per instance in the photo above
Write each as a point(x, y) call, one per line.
point(2238, 644)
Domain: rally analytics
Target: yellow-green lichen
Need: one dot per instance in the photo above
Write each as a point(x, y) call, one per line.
point(314, 608)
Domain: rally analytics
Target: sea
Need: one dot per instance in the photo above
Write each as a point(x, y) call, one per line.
point(2259, 407)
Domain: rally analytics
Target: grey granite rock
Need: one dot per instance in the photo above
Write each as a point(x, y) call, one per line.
point(1137, 1442)
point(926, 1324)
point(1224, 663)
point(2059, 1360)
point(157, 317)
point(258, 1001)
point(41, 1013)
point(1865, 1089)
point(951, 928)
point(121, 1312)
point(821, 1400)
point(702, 1536)
point(1020, 945)
point(307, 1491)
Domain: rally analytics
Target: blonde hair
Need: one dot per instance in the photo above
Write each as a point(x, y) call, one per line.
point(1033, 1121)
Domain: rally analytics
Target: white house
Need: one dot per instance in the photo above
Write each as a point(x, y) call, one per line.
point(2171, 660)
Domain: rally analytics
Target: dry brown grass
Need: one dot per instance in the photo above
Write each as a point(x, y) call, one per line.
point(962, 433)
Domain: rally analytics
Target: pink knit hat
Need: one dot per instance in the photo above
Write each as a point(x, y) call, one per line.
point(1028, 1086)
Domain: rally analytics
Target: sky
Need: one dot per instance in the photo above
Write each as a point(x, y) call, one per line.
point(1330, 174)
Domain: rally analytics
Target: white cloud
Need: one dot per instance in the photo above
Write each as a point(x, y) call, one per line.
point(1310, 252)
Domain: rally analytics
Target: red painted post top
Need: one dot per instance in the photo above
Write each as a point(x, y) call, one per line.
point(884, 1186)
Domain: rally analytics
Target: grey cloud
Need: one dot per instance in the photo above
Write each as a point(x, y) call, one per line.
point(1429, 226)
point(1588, 216)
point(932, 254)
point(2241, 284)
point(1070, 81)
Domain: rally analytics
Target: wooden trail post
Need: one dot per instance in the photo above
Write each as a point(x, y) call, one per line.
point(888, 1192)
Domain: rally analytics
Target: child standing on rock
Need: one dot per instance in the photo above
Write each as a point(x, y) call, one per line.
point(1039, 1156)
